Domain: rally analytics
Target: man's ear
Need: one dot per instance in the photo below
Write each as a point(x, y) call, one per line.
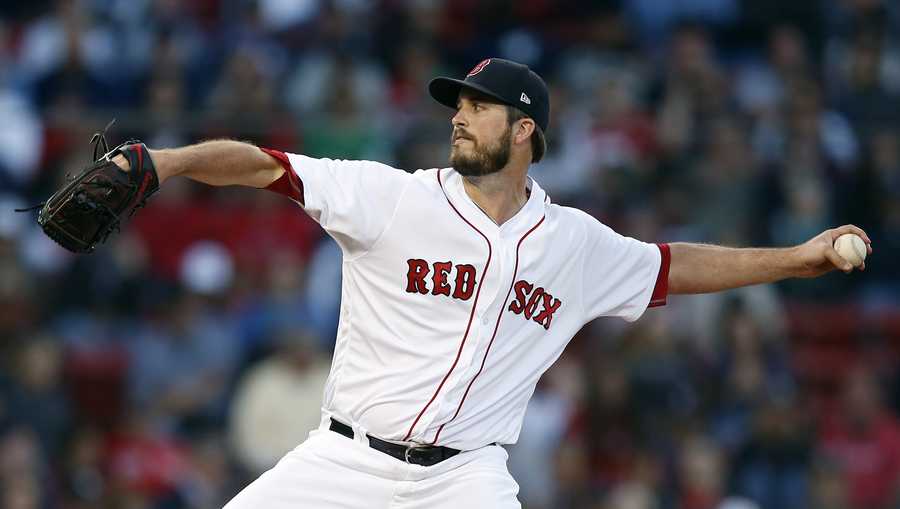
point(524, 130)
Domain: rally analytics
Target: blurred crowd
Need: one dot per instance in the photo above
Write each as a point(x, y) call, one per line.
point(183, 358)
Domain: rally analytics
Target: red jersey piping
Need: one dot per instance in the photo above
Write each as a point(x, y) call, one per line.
point(496, 326)
point(471, 314)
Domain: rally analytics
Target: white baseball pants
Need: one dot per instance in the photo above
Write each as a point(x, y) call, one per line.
point(329, 470)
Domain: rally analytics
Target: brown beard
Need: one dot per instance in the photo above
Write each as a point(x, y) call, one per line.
point(486, 159)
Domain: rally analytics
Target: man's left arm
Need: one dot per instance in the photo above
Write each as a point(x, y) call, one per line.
point(702, 268)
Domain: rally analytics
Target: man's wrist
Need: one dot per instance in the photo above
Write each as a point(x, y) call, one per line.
point(164, 163)
point(794, 265)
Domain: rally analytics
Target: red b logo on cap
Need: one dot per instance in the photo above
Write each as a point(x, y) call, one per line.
point(478, 68)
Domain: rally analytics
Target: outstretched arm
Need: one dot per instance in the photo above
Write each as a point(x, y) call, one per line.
point(701, 268)
point(217, 163)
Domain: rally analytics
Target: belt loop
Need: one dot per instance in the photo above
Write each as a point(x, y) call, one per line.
point(360, 434)
point(325, 422)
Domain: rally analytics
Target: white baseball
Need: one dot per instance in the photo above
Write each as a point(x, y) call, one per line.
point(851, 248)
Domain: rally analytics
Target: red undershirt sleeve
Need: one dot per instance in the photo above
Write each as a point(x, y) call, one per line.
point(289, 184)
point(661, 290)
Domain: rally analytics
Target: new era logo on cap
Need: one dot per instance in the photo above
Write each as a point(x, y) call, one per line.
point(525, 99)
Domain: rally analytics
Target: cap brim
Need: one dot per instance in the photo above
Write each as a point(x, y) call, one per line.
point(446, 91)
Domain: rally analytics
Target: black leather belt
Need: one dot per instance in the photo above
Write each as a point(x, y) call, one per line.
point(425, 455)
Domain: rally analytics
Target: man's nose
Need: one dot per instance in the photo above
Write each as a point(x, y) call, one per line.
point(458, 120)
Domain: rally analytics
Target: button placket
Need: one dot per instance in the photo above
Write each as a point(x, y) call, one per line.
point(480, 334)
point(504, 276)
point(489, 314)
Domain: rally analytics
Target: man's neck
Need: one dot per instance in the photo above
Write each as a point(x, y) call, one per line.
point(499, 195)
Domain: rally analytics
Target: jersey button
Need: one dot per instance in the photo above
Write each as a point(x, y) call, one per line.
point(485, 320)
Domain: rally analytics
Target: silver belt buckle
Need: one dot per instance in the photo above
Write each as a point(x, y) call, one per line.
point(408, 450)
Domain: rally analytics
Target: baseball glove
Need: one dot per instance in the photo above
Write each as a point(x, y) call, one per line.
point(92, 204)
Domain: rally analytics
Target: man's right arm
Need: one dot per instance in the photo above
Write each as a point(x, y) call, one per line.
point(217, 163)
point(353, 200)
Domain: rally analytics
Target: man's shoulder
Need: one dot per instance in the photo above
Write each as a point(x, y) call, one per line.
point(429, 178)
point(564, 213)
point(579, 222)
point(427, 175)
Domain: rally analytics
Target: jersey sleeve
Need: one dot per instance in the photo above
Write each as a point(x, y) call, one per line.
point(354, 201)
point(622, 276)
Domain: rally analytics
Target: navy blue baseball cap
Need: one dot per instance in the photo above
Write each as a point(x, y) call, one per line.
point(506, 81)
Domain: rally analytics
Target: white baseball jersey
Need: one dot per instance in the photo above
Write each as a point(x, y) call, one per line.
point(447, 319)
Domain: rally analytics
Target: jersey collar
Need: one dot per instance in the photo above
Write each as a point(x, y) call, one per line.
point(532, 211)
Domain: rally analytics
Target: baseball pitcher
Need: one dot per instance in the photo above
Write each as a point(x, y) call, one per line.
point(461, 286)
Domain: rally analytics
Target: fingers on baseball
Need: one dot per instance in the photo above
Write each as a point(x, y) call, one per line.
point(850, 228)
point(837, 260)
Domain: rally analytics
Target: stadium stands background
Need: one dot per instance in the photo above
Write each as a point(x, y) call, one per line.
point(184, 357)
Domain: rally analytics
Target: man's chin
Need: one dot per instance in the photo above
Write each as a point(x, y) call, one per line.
point(463, 166)
point(458, 152)
point(468, 168)
point(470, 162)
point(457, 158)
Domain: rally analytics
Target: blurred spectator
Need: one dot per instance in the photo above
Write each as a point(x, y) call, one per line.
point(865, 441)
point(604, 428)
point(18, 309)
point(870, 93)
point(143, 461)
point(34, 396)
point(244, 87)
point(700, 472)
point(210, 483)
point(692, 91)
point(573, 476)
point(346, 132)
point(880, 180)
point(84, 482)
point(725, 186)
point(278, 401)
point(322, 291)
point(738, 503)
point(282, 303)
point(23, 471)
point(631, 496)
point(180, 367)
point(754, 372)
point(654, 19)
point(531, 459)
point(66, 52)
point(762, 88)
point(311, 86)
point(771, 467)
point(20, 148)
point(828, 488)
point(20, 492)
